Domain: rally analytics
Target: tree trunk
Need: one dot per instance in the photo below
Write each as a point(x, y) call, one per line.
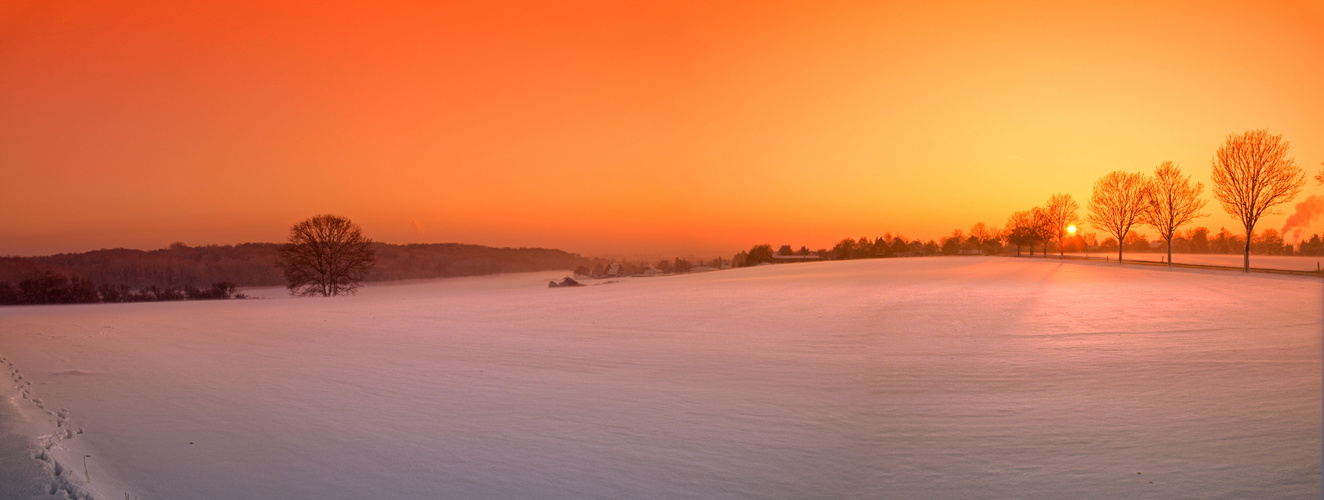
point(1169, 251)
point(1121, 244)
point(1250, 231)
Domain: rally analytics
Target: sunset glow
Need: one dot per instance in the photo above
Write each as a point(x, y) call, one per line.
point(676, 249)
point(605, 128)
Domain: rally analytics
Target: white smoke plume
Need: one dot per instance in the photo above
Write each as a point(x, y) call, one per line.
point(1306, 212)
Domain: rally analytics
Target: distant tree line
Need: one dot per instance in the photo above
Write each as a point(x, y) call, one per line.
point(1030, 232)
point(50, 287)
point(1193, 240)
point(445, 260)
point(179, 266)
point(847, 249)
point(603, 268)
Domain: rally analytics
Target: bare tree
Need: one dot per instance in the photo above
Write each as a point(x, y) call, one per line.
point(326, 255)
point(1061, 212)
point(1252, 174)
point(951, 245)
point(981, 233)
point(1174, 202)
point(993, 242)
point(1019, 231)
point(1027, 228)
point(1119, 200)
point(1041, 226)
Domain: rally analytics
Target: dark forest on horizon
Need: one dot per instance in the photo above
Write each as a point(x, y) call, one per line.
point(180, 272)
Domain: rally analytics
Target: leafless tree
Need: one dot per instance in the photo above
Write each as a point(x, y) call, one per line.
point(1119, 200)
point(1041, 226)
point(982, 233)
point(1019, 231)
point(326, 255)
point(1173, 202)
point(1061, 212)
point(1252, 174)
point(1027, 228)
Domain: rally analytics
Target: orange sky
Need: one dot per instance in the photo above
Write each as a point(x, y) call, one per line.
point(655, 130)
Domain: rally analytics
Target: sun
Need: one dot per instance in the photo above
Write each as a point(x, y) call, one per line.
point(1071, 229)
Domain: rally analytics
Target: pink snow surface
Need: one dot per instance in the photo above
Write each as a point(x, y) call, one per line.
point(945, 377)
point(1285, 262)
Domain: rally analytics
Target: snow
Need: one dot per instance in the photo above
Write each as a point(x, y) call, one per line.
point(1286, 262)
point(944, 377)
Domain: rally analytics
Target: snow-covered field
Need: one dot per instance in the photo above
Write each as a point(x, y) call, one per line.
point(978, 377)
point(1287, 262)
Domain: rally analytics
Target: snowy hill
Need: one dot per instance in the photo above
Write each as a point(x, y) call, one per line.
point(896, 378)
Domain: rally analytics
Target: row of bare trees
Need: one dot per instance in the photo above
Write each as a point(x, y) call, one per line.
point(1042, 224)
point(1252, 174)
point(1166, 201)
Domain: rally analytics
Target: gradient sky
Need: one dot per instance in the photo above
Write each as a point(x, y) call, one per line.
point(658, 129)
